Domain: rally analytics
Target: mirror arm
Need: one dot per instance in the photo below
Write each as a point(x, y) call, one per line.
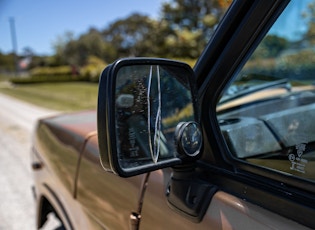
point(135, 217)
point(187, 194)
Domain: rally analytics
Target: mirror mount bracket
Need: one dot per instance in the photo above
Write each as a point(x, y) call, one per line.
point(187, 194)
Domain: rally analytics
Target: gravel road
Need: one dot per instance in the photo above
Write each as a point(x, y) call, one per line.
point(17, 119)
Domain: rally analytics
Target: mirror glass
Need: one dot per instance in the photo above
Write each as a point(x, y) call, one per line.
point(150, 101)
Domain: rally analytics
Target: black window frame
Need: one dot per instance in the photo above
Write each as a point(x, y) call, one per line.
point(236, 38)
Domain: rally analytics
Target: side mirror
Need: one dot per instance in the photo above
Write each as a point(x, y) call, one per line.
point(147, 116)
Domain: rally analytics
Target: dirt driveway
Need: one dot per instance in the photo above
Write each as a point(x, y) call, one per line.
point(17, 119)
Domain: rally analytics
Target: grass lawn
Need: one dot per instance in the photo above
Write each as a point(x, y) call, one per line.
point(69, 96)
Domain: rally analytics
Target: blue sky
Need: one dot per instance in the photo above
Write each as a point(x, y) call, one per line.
point(291, 24)
point(38, 23)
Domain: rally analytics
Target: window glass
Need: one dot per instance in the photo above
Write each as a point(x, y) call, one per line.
point(267, 114)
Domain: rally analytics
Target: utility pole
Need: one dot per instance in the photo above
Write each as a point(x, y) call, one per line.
point(14, 45)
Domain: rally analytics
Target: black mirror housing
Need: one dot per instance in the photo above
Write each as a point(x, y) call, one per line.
point(147, 116)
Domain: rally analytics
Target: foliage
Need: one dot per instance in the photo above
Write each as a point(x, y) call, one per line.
point(193, 22)
point(46, 78)
point(93, 69)
point(300, 64)
point(181, 32)
point(283, 57)
point(50, 74)
point(60, 70)
point(271, 46)
point(59, 46)
point(194, 14)
point(295, 65)
point(7, 62)
point(310, 15)
point(183, 114)
point(184, 43)
point(127, 35)
point(77, 52)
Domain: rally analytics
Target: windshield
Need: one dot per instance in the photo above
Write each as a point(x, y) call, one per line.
point(267, 113)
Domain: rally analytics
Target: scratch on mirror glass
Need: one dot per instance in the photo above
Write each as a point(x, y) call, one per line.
point(155, 149)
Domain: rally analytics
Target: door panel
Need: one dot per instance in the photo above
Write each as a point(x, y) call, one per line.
point(225, 212)
point(107, 199)
point(156, 214)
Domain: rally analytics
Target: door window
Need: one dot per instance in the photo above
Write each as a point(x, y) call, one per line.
point(267, 114)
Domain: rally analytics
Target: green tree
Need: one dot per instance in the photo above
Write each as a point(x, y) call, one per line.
point(93, 68)
point(271, 46)
point(59, 46)
point(7, 62)
point(76, 52)
point(192, 14)
point(193, 23)
point(40, 61)
point(131, 36)
point(309, 15)
point(181, 32)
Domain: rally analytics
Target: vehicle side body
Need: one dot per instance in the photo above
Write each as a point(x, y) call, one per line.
point(71, 182)
point(239, 193)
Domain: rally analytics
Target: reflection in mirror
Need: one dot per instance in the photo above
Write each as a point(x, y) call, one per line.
point(150, 101)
